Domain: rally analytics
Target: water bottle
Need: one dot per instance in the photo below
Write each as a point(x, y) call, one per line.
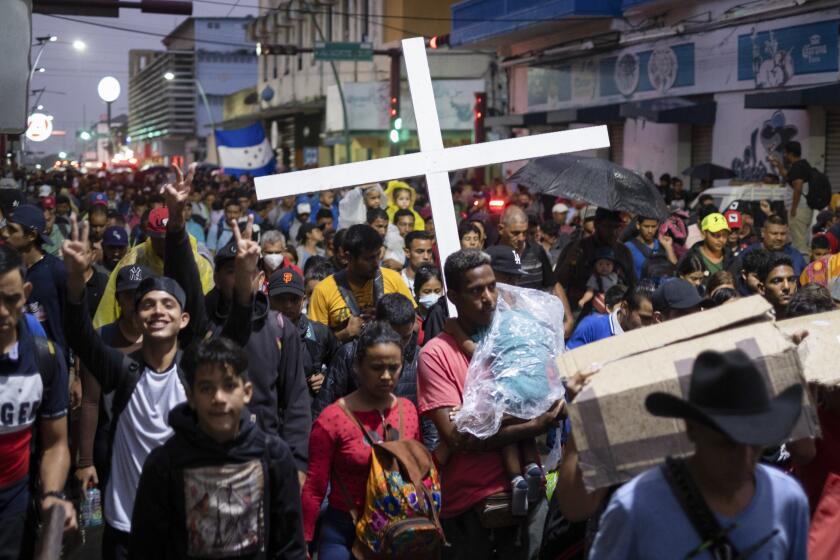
point(91, 507)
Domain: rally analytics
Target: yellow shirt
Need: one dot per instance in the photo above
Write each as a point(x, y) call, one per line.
point(328, 307)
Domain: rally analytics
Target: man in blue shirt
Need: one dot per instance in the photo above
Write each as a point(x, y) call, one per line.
point(24, 232)
point(774, 237)
point(738, 507)
point(633, 311)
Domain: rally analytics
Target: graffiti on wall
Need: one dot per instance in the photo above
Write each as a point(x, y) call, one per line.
point(766, 141)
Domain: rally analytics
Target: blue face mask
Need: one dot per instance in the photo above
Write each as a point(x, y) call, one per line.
point(428, 300)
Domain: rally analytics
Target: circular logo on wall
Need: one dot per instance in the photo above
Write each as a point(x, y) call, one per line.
point(627, 73)
point(662, 68)
point(39, 127)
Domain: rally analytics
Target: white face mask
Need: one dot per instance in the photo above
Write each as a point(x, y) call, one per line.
point(428, 300)
point(273, 260)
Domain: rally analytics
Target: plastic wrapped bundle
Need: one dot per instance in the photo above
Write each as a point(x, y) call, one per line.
point(352, 209)
point(513, 370)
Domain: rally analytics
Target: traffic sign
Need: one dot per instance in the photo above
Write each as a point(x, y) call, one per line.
point(343, 51)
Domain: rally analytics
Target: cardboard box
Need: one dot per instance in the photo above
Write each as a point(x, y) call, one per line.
point(819, 351)
point(741, 311)
point(615, 435)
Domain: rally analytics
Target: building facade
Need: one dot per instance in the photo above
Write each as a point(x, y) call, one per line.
point(300, 104)
point(176, 96)
point(677, 83)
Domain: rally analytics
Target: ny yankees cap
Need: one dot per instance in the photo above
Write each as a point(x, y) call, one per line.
point(160, 284)
point(130, 276)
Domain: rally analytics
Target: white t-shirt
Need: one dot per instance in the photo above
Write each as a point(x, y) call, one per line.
point(143, 426)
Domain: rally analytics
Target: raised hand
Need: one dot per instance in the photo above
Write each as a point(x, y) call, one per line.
point(76, 250)
point(177, 193)
point(246, 261)
point(77, 257)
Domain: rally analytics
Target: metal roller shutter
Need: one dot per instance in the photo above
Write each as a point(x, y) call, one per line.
point(615, 130)
point(832, 149)
point(701, 147)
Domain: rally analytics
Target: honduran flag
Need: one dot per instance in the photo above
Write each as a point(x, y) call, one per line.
point(245, 151)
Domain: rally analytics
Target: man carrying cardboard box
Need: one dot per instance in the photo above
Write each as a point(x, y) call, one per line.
point(719, 500)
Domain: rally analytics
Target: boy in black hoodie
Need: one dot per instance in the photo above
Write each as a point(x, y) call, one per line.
point(220, 487)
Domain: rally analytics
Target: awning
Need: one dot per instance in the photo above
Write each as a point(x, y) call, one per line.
point(593, 115)
point(794, 98)
point(671, 110)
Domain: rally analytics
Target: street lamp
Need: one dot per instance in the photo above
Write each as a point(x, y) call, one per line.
point(108, 90)
point(62, 155)
point(40, 107)
point(40, 69)
point(85, 135)
point(79, 45)
point(169, 76)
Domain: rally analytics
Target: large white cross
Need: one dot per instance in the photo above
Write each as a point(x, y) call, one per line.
point(432, 160)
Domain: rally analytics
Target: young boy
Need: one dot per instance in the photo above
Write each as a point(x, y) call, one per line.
point(220, 487)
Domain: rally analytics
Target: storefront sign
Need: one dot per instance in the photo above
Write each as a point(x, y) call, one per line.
point(772, 53)
point(772, 58)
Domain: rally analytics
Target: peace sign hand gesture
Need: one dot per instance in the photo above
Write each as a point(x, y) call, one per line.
point(176, 195)
point(246, 261)
point(76, 252)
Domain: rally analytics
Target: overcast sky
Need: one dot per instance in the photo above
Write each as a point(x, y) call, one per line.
point(76, 74)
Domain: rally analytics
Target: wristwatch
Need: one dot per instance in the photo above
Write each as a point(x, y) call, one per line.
point(55, 494)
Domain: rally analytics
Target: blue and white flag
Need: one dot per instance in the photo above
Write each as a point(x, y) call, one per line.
point(245, 151)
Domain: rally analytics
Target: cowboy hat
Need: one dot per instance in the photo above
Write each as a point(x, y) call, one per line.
point(727, 393)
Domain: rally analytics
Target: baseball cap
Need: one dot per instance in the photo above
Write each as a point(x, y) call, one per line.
point(11, 199)
point(98, 198)
point(505, 259)
point(226, 253)
point(130, 276)
point(714, 223)
point(285, 281)
point(604, 253)
point(156, 225)
point(44, 191)
point(31, 217)
point(559, 208)
point(160, 284)
point(115, 236)
point(734, 219)
point(304, 208)
point(48, 202)
point(676, 294)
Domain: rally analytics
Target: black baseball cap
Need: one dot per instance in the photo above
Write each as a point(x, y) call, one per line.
point(29, 216)
point(160, 284)
point(130, 276)
point(285, 281)
point(225, 254)
point(676, 294)
point(505, 259)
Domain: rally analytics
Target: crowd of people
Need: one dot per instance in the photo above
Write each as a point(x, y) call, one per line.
point(225, 370)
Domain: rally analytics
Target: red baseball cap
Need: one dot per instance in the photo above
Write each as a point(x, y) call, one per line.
point(734, 219)
point(48, 202)
point(156, 226)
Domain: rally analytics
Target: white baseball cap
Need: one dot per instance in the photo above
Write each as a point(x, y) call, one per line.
point(559, 208)
point(304, 208)
point(44, 191)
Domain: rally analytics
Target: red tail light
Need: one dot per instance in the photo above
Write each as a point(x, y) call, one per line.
point(497, 204)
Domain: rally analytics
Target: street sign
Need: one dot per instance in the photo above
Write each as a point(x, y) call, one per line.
point(343, 51)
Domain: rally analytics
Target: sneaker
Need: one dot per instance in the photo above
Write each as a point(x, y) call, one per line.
point(519, 497)
point(535, 478)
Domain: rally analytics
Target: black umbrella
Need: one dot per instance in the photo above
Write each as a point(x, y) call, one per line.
point(593, 180)
point(709, 172)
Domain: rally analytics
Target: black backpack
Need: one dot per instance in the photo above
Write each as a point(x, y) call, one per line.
point(819, 190)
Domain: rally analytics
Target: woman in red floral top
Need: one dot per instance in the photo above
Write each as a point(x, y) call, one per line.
point(338, 452)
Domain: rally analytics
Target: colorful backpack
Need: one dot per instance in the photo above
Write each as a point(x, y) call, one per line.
point(402, 500)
